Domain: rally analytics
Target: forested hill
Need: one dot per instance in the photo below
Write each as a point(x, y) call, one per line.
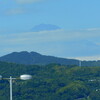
point(30, 58)
point(51, 82)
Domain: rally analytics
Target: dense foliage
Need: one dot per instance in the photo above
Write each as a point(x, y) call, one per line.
point(51, 82)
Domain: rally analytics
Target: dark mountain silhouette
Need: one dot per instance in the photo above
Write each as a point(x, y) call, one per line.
point(29, 58)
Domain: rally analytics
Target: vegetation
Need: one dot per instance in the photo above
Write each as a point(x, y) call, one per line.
point(30, 58)
point(51, 82)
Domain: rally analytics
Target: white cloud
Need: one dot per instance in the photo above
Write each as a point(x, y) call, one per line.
point(15, 11)
point(58, 43)
point(27, 1)
point(48, 36)
point(87, 58)
point(93, 29)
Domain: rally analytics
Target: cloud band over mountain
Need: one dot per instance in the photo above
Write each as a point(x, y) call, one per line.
point(62, 43)
point(27, 1)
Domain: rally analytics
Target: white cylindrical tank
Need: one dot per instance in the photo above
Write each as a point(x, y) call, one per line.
point(25, 77)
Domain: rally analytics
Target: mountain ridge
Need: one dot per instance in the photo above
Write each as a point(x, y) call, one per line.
point(34, 58)
point(30, 58)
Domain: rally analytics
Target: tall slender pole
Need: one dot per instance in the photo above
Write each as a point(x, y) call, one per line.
point(80, 63)
point(10, 88)
point(22, 77)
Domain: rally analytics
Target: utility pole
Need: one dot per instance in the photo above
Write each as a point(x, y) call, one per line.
point(80, 63)
point(22, 77)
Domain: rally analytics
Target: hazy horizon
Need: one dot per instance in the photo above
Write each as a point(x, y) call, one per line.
point(62, 28)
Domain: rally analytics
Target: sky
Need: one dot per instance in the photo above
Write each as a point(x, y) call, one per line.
point(78, 36)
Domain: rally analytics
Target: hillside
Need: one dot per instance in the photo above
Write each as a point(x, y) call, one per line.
point(30, 58)
point(51, 82)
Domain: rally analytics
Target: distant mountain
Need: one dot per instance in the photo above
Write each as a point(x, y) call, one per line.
point(30, 58)
point(44, 27)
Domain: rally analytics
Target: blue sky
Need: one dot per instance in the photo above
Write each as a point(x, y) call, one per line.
point(79, 21)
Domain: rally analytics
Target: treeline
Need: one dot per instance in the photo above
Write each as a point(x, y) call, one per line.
point(51, 82)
